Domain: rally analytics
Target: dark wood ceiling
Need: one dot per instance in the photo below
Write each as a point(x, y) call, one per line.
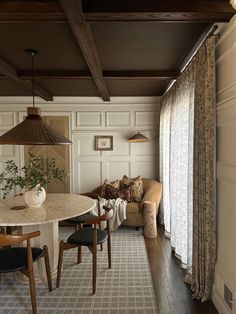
point(99, 47)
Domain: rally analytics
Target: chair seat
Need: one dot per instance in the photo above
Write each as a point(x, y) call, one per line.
point(85, 237)
point(82, 218)
point(15, 258)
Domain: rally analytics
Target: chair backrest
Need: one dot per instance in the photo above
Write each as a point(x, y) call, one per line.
point(105, 217)
point(8, 239)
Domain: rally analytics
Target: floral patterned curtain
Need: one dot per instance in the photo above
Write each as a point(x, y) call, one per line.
point(187, 148)
point(204, 209)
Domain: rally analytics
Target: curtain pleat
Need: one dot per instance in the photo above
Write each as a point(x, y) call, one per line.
point(204, 211)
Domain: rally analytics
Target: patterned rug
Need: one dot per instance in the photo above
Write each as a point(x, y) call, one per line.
point(125, 288)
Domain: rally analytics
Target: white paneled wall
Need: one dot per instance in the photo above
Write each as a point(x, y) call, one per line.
point(92, 167)
point(89, 117)
point(225, 273)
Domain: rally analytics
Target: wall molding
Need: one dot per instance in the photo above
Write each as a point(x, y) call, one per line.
point(227, 30)
point(227, 88)
point(226, 163)
point(220, 104)
point(219, 303)
point(226, 180)
point(225, 53)
point(80, 100)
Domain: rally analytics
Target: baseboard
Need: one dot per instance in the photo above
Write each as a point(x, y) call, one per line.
point(219, 303)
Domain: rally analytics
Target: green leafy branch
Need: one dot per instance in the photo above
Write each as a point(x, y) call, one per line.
point(36, 174)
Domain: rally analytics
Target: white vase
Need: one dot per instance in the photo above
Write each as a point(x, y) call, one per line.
point(35, 198)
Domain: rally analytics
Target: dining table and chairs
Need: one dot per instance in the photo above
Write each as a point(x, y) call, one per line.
point(39, 228)
point(35, 234)
point(45, 219)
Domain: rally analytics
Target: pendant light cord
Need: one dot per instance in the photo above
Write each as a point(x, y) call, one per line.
point(32, 74)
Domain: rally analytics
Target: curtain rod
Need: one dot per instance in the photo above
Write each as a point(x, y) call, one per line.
point(209, 33)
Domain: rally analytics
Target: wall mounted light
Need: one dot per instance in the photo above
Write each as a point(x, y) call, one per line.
point(138, 138)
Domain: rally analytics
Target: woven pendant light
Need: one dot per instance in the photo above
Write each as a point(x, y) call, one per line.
point(138, 138)
point(33, 130)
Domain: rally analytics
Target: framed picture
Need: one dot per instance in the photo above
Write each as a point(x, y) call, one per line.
point(103, 142)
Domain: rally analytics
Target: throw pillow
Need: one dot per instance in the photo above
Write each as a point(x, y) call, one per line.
point(111, 192)
point(124, 193)
point(136, 185)
point(126, 190)
point(115, 184)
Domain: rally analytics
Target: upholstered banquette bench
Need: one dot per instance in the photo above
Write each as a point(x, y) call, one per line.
point(152, 191)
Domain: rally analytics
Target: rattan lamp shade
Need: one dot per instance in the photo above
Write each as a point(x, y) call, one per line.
point(33, 131)
point(138, 138)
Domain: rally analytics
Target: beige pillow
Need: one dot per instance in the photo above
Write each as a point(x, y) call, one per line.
point(136, 187)
point(114, 184)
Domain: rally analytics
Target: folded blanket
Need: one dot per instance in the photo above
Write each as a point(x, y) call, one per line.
point(119, 211)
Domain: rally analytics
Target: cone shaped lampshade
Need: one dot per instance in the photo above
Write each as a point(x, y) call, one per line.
point(138, 138)
point(33, 131)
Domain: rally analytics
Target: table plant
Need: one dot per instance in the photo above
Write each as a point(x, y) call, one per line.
point(32, 178)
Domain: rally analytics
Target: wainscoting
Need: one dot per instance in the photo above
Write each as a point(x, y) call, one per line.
point(225, 274)
point(121, 118)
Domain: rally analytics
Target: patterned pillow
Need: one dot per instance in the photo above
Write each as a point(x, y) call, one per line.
point(111, 192)
point(124, 193)
point(126, 190)
point(114, 184)
point(136, 185)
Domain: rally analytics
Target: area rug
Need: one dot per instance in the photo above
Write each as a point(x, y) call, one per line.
point(125, 288)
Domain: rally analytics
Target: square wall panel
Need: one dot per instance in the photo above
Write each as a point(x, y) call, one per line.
point(118, 119)
point(7, 120)
point(121, 146)
point(91, 119)
point(116, 170)
point(7, 151)
point(145, 149)
point(89, 174)
point(146, 169)
point(86, 145)
point(146, 119)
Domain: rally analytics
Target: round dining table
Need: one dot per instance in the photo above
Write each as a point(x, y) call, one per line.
point(45, 218)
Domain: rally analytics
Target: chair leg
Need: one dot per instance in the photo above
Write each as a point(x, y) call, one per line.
point(79, 256)
point(100, 227)
point(59, 266)
point(94, 251)
point(109, 250)
point(47, 267)
point(32, 288)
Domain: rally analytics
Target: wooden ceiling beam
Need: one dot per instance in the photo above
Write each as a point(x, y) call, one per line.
point(163, 11)
point(111, 75)
point(10, 72)
point(84, 38)
point(140, 75)
point(117, 10)
point(31, 11)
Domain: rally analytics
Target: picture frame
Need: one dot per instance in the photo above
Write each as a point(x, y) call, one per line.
point(104, 142)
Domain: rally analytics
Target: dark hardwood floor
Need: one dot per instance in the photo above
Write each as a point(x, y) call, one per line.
point(173, 295)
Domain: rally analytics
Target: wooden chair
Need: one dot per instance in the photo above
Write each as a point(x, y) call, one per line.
point(78, 221)
point(90, 237)
point(22, 258)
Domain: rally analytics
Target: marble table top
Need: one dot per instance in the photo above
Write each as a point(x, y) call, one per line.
point(56, 207)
